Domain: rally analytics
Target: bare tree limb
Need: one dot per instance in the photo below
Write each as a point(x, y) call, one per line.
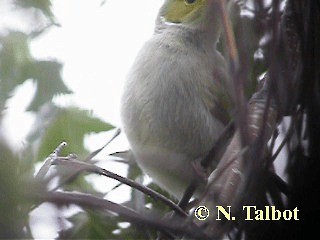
point(92, 202)
point(86, 167)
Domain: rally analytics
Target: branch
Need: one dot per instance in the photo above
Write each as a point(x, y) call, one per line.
point(235, 173)
point(48, 161)
point(86, 167)
point(92, 202)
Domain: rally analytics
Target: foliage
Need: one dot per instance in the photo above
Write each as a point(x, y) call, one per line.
point(70, 125)
point(46, 74)
point(53, 124)
point(13, 206)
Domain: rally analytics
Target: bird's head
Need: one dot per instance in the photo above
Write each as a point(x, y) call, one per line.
point(193, 13)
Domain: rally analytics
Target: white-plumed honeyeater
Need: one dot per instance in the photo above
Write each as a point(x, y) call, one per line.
point(175, 101)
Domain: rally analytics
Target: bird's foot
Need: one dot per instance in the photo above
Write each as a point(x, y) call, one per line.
point(202, 172)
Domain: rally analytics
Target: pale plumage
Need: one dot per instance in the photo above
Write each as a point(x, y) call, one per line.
point(175, 84)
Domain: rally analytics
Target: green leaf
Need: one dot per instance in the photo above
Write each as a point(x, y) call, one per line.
point(70, 125)
point(14, 56)
point(13, 204)
point(47, 75)
point(17, 66)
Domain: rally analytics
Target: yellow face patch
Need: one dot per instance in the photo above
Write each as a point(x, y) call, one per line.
point(179, 11)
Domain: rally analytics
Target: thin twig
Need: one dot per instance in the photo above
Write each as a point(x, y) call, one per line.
point(94, 153)
point(236, 74)
point(219, 144)
point(282, 185)
point(273, 140)
point(48, 161)
point(229, 35)
point(87, 159)
point(283, 142)
point(86, 167)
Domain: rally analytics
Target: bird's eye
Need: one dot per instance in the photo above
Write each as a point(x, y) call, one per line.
point(190, 1)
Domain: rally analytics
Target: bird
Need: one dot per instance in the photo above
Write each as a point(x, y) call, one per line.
point(176, 98)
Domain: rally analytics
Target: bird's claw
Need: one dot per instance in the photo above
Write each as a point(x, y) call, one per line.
point(202, 172)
